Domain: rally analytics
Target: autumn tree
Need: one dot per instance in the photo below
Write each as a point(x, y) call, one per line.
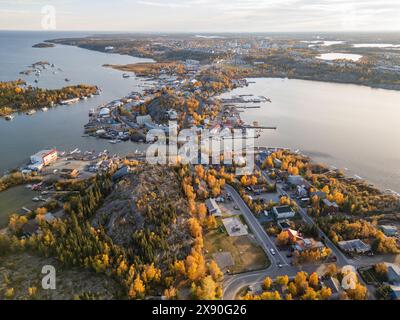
point(215, 271)
point(267, 283)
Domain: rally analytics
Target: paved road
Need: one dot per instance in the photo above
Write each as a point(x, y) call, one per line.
point(233, 284)
point(342, 260)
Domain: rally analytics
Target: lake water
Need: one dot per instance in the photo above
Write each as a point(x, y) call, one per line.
point(12, 200)
point(343, 125)
point(376, 45)
point(346, 126)
point(336, 56)
point(61, 127)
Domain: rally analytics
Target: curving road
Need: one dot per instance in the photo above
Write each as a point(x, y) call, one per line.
point(279, 265)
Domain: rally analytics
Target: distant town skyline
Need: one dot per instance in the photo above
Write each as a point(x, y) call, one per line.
point(203, 15)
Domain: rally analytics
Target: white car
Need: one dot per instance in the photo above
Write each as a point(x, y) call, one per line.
point(273, 252)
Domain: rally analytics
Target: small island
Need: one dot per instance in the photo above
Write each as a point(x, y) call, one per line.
point(17, 96)
point(150, 69)
point(43, 45)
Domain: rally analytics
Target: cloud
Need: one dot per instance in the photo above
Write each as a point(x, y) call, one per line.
point(212, 15)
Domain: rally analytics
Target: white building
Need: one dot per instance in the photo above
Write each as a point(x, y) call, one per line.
point(104, 113)
point(44, 157)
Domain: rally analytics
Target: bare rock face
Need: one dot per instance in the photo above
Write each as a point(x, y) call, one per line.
point(148, 201)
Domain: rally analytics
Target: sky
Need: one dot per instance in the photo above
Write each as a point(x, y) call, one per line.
point(201, 15)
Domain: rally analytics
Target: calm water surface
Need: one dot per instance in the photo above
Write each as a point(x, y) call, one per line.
point(61, 127)
point(347, 126)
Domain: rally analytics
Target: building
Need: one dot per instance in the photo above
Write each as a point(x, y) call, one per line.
point(301, 191)
point(44, 157)
point(213, 207)
point(104, 113)
point(171, 114)
point(308, 245)
point(293, 235)
point(389, 231)
point(277, 163)
point(283, 212)
point(354, 246)
point(69, 101)
point(142, 120)
point(330, 207)
point(295, 180)
point(393, 272)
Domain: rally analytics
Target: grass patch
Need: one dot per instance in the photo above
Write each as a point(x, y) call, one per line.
point(247, 255)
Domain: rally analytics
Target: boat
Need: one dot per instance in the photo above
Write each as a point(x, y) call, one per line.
point(36, 199)
point(31, 112)
point(9, 117)
point(115, 141)
point(67, 80)
point(125, 75)
point(45, 109)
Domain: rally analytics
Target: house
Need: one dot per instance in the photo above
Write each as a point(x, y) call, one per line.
point(277, 163)
point(38, 166)
point(308, 245)
point(49, 217)
point(213, 208)
point(354, 246)
point(142, 120)
point(295, 180)
point(389, 231)
point(104, 113)
point(293, 235)
point(330, 207)
point(393, 272)
point(283, 212)
point(45, 157)
point(301, 191)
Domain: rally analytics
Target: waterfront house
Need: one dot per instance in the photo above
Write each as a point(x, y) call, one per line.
point(104, 113)
point(44, 157)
